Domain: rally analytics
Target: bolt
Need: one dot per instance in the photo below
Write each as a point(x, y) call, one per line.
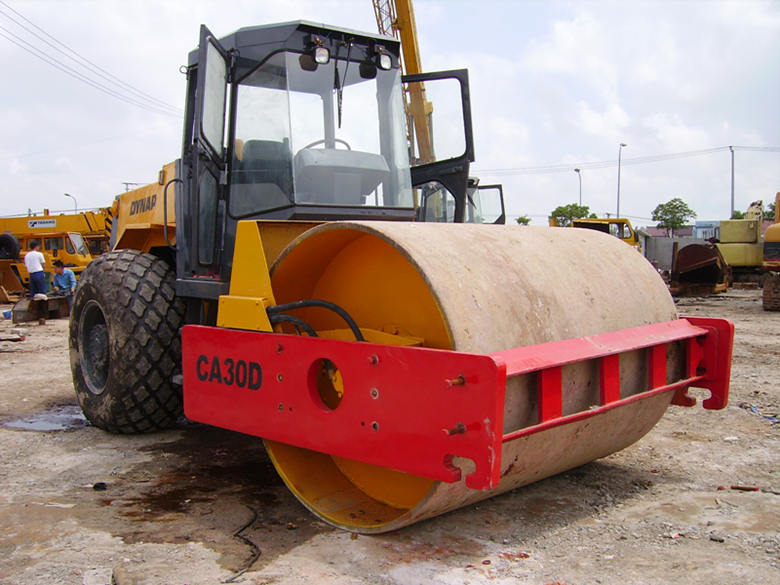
point(459, 381)
point(373, 359)
point(374, 393)
point(279, 348)
point(458, 429)
point(279, 377)
point(375, 425)
point(280, 407)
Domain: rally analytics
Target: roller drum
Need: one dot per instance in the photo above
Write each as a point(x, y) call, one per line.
point(480, 289)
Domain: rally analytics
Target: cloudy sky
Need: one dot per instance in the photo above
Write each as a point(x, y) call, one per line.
point(554, 84)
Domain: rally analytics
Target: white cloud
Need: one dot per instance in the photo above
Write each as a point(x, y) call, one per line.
point(550, 82)
point(608, 123)
point(675, 135)
point(577, 47)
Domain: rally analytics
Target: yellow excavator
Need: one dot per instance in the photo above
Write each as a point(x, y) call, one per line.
point(618, 227)
point(397, 369)
point(771, 281)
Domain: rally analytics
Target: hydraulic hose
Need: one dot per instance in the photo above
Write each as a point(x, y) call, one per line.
point(299, 323)
point(277, 309)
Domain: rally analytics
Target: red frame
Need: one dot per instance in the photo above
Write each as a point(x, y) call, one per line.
point(413, 409)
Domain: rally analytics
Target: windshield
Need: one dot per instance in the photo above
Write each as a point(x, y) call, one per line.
point(299, 140)
point(78, 243)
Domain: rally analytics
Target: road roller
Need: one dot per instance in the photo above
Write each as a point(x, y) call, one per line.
point(277, 281)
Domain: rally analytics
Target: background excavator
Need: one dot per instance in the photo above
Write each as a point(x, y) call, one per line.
point(397, 369)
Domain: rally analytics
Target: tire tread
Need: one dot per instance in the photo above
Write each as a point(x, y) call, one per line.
point(135, 291)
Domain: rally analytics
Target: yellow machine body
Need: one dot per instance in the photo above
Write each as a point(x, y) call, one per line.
point(141, 215)
point(73, 238)
point(740, 240)
point(618, 227)
point(69, 247)
point(94, 226)
point(742, 255)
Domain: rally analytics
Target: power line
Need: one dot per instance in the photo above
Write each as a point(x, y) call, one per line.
point(80, 59)
point(137, 97)
point(75, 74)
point(567, 167)
point(758, 148)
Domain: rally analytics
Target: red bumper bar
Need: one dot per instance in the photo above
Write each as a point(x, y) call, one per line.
point(414, 409)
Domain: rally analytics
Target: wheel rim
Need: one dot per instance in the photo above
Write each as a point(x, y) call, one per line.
point(93, 342)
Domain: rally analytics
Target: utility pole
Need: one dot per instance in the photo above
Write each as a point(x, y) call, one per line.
point(620, 152)
point(731, 148)
point(580, 178)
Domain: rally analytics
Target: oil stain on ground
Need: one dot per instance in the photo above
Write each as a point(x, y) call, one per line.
point(211, 486)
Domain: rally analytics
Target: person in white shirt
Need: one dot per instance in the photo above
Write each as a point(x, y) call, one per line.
point(34, 262)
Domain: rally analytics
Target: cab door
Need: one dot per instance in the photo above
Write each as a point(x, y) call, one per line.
point(443, 143)
point(201, 208)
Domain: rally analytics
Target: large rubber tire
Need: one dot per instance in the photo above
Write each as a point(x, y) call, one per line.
point(125, 344)
point(9, 247)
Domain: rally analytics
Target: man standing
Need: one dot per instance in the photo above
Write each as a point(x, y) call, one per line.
point(34, 262)
point(64, 281)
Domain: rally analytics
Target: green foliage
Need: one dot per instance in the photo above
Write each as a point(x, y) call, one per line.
point(737, 214)
point(673, 214)
point(565, 214)
point(770, 211)
point(523, 220)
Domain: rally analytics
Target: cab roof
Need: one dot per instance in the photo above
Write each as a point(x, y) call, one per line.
point(258, 42)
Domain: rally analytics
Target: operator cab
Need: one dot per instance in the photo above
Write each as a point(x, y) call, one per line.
point(320, 134)
point(299, 121)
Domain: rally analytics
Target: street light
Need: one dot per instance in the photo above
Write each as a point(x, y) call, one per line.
point(75, 204)
point(579, 176)
point(620, 152)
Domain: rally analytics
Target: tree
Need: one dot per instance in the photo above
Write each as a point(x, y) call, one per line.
point(523, 220)
point(737, 214)
point(565, 214)
point(770, 211)
point(673, 214)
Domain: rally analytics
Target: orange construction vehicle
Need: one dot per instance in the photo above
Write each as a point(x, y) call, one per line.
point(397, 369)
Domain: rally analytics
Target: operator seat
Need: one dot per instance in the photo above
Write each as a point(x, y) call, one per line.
point(262, 175)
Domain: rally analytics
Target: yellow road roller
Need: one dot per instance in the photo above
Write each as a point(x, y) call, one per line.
point(397, 369)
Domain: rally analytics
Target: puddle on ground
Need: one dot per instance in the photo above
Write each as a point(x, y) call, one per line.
point(59, 418)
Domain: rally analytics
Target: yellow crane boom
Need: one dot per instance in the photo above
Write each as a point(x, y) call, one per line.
point(395, 18)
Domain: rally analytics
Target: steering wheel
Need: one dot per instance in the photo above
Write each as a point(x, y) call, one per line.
point(316, 142)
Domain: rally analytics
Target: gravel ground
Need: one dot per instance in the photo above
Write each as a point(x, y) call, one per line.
point(197, 505)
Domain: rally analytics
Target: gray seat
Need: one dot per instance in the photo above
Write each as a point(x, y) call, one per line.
point(338, 177)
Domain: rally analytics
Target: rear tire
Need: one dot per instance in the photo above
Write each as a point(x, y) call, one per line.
point(9, 247)
point(125, 344)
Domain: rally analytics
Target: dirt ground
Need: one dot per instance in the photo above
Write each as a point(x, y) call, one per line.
point(197, 505)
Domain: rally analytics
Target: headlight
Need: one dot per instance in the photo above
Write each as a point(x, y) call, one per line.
point(384, 61)
point(321, 55)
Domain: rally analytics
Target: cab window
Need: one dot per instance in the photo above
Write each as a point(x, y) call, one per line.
point(78, 243)
point(53, 244)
